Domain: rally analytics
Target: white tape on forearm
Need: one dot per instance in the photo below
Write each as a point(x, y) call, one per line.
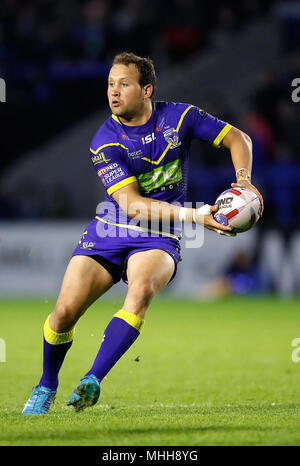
point(204, 210)
point(194, 216)
point(182, 214)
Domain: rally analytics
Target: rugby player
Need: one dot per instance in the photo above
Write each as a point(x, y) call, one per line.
point(140, 154)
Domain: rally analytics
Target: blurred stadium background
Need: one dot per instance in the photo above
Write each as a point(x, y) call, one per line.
point(236, 60)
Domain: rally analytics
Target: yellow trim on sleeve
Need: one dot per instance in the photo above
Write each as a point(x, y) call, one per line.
point(121, 184)
point(57, 338)
point(135, 321)
point(221, 135)
point(106, 145)
point(157, 162)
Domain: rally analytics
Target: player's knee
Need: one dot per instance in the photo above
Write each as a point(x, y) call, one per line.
point(63, 316)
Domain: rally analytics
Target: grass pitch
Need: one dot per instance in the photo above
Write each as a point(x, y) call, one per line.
point(215, 373)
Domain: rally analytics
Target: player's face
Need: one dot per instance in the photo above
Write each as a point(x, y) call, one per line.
point(125, 94)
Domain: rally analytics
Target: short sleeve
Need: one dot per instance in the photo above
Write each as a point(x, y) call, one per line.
point(110, 162)
point(207, 127)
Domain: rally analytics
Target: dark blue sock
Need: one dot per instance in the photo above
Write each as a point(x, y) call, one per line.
point(119, 335)
point(56, 346)
point(54, 356)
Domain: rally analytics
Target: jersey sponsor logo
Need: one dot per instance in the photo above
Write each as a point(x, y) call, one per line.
point(172, 138)
point(149, 138)
point(88, 245)
point(104, 170)
point(136, 154)
point(113, 175)
point(161, 124)
point(100, 158)
point(163, 189)
point(160, 177)
point(127, 138)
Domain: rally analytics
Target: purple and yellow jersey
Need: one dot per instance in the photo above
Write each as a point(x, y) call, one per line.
point(154, 154)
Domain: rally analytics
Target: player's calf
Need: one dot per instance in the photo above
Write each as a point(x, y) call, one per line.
point(139, 296)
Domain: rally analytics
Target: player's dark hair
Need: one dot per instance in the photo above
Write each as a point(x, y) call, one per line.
point(144, 65)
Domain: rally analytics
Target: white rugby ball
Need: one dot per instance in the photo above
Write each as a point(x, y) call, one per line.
point(238, 207)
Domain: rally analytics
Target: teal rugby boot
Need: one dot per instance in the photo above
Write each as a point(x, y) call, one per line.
point(86, 393)
point(39, 401)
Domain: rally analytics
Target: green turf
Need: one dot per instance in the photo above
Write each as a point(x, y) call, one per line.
point(216, 373)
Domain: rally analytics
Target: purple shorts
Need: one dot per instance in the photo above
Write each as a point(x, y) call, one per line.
point(112, 245)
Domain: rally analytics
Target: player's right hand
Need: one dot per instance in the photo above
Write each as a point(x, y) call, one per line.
point(209, 222)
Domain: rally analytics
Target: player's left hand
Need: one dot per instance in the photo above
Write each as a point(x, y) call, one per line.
point(246, 184)
point(209, 222)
